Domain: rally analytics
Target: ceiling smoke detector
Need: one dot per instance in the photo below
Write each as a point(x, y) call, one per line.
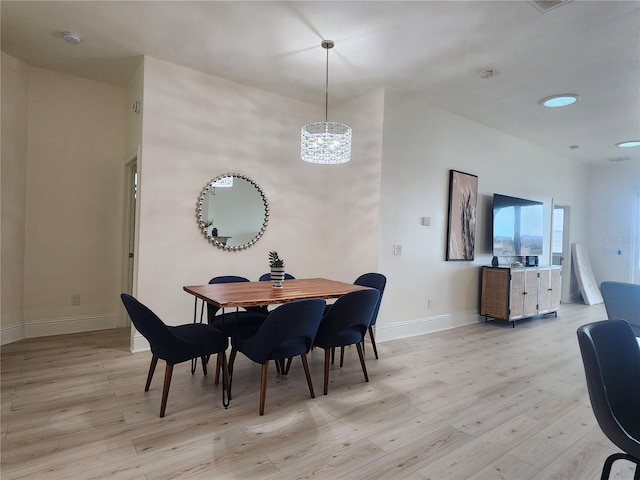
point(71, 37)
point(489, 73)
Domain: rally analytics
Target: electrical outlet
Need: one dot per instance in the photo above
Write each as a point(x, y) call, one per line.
point(430, 303)
point(75, 299)
point(397, 249)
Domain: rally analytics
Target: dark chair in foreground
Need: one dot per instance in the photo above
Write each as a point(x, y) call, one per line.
point(287, 332)
point(174, 344)
point(377, 281)
point(346, 323)
point(611, 358)
point(622, 300)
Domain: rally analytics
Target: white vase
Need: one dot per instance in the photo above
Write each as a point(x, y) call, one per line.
point(277, 276)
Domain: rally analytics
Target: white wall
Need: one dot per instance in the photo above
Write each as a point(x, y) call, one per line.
point(421, 144)
point(612, 192)
point(13, 196)
point(323, 219)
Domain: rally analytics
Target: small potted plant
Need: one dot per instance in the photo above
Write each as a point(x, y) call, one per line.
point(277, 269)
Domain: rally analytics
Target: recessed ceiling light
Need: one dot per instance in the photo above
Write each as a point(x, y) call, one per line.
point(72, 37)
point(563, 100)
point(632, 143)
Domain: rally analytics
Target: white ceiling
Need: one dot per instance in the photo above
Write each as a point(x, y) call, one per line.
point(437, 48)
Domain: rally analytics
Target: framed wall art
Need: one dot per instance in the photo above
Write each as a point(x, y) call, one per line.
point(463, 199)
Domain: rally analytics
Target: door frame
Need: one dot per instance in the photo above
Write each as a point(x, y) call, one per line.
point(131, 217)
point(566, 293)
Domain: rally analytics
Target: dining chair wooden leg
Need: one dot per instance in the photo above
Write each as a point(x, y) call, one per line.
point(288, 366)
point(333, 355)
point(165, 390)
point(373, 341)
point(204, 365)
point(232, 359)
point(152, 368)
point(341, 356)
point(327, 355)
point(364, 367)
point(263, 385)
point(305, 364)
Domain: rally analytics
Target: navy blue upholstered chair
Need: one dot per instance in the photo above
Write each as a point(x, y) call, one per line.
point(611, 357)
point(287, 332)
point(248, 319)
point(377, 281)
point(266, 277)
point(622, 300)
point(174, 344)
point(346, 323)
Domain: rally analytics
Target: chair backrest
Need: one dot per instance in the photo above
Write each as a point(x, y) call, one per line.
point(348, 319)
point(212, 309)
point(373, 280)
point(611, 357)
point(265, 277)
point(288, 331)
point(160, 338)
point(622, 300)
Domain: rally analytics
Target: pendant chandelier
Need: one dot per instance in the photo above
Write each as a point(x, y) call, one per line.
point(326, 142)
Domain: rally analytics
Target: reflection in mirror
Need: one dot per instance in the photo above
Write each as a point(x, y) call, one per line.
point(232, 211)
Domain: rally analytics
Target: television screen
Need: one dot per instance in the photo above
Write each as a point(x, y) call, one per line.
point(517, 226)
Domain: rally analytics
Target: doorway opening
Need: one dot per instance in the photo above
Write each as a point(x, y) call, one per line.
point(561, 248)
point(131, 197)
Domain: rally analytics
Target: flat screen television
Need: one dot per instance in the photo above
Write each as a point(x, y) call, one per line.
point(517, 226)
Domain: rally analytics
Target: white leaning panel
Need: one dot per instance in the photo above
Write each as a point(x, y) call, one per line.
point(582, 266)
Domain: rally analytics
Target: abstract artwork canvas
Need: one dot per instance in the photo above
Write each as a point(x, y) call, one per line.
point(461, 234)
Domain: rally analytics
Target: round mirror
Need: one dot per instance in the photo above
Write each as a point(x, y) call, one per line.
point(232, 211)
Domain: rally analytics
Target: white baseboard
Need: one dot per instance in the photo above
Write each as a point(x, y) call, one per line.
point(139, 343)
point(11, 333)
point(420, 326)
point(64, 325)
point(60, 326)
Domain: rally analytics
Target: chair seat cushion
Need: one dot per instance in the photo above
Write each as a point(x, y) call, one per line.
point(349, 336)
point(192, 340)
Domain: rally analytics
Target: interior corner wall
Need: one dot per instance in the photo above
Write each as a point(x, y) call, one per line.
point(421, 145)
point(13, 176)
point(74, 203)
point(612, 195)
point(195, 127)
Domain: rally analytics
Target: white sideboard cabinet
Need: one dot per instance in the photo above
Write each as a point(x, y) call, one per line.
point(512, 293)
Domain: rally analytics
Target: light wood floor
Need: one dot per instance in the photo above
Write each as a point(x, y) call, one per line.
point(485, 401)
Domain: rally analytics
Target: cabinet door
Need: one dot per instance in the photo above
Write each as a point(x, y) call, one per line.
point(531, 291)
point(518, 289)
point(556, 287)
point(494, 300)
point(549, 294)
point(524, 293)
point(544, 295)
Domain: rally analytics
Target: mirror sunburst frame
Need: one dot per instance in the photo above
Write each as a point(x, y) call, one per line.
point(222, 181)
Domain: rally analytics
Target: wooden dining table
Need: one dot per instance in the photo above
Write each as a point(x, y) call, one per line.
point(251, 294)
